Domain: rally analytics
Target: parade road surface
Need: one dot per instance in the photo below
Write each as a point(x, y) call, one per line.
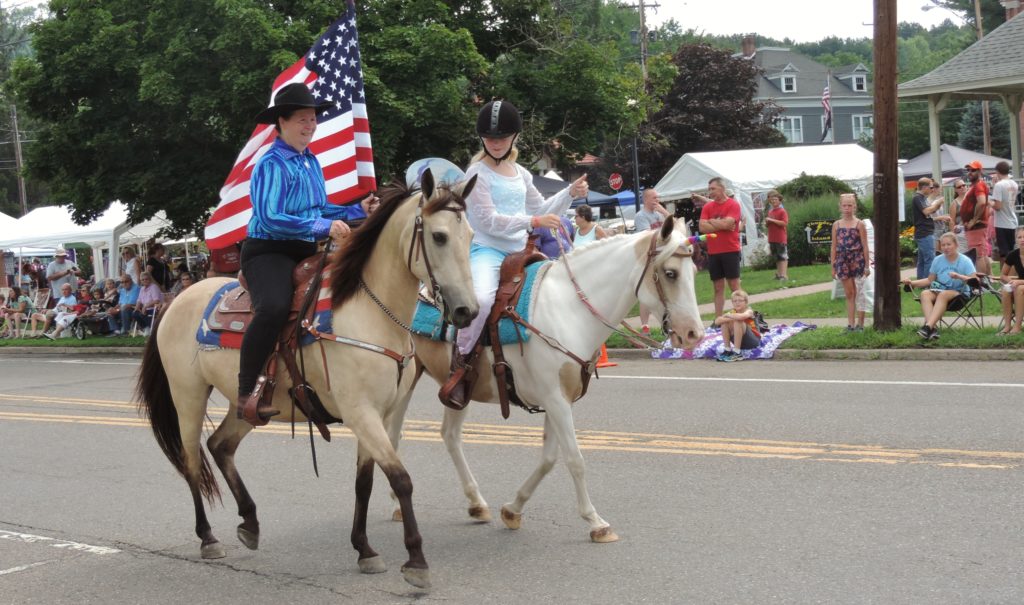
point(752, 482)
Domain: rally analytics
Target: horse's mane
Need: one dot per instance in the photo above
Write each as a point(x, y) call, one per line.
point(347, 267)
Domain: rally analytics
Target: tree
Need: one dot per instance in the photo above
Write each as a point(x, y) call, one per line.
point(969, 135)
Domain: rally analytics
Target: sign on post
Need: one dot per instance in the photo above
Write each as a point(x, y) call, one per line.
point(615, 181)
point(819, 232)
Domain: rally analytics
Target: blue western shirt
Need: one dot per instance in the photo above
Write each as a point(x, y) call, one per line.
point(289, 199)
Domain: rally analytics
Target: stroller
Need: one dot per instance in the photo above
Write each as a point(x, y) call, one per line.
point(93, 322)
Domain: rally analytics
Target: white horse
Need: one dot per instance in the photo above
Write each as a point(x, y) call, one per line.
point(654, 265)
point(411, 238)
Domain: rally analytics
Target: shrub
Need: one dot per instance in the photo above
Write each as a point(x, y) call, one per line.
point(807, 186)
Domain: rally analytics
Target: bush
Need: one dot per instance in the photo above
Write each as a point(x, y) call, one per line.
point(801, 212)
point(807, 186)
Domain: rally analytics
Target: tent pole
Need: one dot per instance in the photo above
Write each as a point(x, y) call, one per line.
point(933, 137)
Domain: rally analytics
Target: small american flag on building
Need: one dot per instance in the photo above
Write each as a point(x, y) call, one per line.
point(826, 103)
point(332, 69)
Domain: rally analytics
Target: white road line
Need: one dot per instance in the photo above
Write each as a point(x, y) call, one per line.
point(55, 543)
point(908, 383)
point(4, 572)
point(91, 363)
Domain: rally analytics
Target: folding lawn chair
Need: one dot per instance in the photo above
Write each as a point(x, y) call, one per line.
point(969, 309)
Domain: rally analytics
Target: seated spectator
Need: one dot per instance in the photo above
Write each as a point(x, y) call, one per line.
point(739, 331)
point(66, 311)
point(16, 309)
point(185, 280)
point(150, 299)
point(946, 282)
point(110, 292)
point(1013, 287)
point(6, 313)
point(119, 316)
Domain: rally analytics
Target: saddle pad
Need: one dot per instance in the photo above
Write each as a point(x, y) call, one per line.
point(212, 336)
point(428, 322)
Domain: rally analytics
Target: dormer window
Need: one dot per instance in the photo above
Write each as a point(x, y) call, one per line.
point(788, 83)
point(860, 83)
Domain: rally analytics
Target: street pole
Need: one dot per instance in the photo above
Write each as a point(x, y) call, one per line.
point(986, 122)
point(17, 160)
point(886, 184)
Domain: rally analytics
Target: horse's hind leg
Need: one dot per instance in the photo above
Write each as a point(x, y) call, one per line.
point(451, 431)
point(223, 444)
point(200, 479)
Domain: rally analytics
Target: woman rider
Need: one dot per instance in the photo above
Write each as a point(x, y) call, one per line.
point(503, 208)
point(289, 214)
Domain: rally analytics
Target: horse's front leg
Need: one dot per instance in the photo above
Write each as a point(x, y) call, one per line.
point(451, 432)
point(375, 445)
point(512, 512)
point(369, 560)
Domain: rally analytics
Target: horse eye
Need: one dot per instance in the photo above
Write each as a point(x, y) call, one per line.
point(440, 238)
point(670, 273)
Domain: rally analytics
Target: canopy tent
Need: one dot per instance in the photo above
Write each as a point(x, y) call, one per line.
point(751, 173)
point(952, 160)
point(53, 226)
point(595, 199)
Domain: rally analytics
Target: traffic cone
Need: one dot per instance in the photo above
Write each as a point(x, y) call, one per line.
point(602, 361)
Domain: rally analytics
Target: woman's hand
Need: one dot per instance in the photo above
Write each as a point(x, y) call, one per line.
point(370, 204)
point(550, 221)
point(339, 230)
point(579, 188)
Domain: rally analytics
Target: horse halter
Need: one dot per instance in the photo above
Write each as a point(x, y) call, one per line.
point(652, 253)
point(418, 244)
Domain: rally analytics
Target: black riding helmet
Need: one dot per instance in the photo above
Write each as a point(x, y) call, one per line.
point(498, 119)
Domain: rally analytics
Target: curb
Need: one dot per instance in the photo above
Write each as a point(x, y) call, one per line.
point(864, 354)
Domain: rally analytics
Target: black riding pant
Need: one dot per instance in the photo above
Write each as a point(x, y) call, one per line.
point(268, 266)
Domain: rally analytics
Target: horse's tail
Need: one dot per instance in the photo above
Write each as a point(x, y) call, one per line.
point(153, 393)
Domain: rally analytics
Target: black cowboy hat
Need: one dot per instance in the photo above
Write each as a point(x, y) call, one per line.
point(289, 98)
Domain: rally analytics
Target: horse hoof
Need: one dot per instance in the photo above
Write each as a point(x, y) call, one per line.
point(512, 520)
point(480, 514)
point(372, 565)
point(249, 539)
point(420, 578)
point(397, 515)
point(603, 535)
point(213, 550)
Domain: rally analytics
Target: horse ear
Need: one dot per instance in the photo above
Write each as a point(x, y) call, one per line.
point(464, 188)
point(667, 227)
point(427, 184)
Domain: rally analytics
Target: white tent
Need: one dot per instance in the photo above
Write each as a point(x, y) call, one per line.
point(52, 226)
point(750, 173)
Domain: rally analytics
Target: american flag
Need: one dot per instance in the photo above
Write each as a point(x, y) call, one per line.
point(826, 103)
point(332, 69)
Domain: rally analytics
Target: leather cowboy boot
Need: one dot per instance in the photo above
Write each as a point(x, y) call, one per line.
point(454, 392)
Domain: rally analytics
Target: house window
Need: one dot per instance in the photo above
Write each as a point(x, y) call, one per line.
point(831, 131)
point(862, 127)
point(860, 83)
point(788, 83)
point(792, 129)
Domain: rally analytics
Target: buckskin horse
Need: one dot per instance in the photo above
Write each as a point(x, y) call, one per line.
point(577, 302)
point(412, 238)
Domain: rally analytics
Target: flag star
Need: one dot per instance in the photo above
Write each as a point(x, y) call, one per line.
point(348, 81)
point(352, 21)
point(352, 43)
point(316, 93)
point(343, 27)
point(339, 40)
point(322, 63)
point(320, 81)
point(330, 98)
point(334, 86)
point(352, 62)
point(338, 105)
point(334, 54)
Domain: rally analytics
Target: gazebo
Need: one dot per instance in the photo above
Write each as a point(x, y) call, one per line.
point(990, 69)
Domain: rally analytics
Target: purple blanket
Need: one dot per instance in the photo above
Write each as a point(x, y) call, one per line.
point(711, 344)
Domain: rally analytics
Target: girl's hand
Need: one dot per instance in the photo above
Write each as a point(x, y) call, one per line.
point(867, 271)
point(550, 221)
point(579, 188)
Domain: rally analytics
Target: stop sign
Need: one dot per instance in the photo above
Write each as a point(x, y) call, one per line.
point(615, 181)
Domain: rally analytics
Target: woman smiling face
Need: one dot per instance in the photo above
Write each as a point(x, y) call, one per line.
point(298, 129)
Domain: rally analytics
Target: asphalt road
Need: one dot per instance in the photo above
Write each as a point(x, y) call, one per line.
point(755, 482)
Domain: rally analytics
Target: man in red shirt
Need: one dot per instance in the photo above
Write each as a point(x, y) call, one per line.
point(973, 215)
point(721, 216)
point(777, 221)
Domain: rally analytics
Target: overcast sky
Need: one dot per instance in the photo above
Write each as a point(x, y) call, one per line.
point(789, 18)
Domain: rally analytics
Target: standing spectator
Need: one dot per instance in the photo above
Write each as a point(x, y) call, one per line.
point(973, 213)
point(62, 271)
point(120, 315)
point(552, 247)
point(721, 215)
point(777, 221)
point(158, 268)
point(651, 216)
point(1013, 287)
point(849, 254)
point(926, 203)
point(952, 220)
point(131, 264)
point(150, 297)
point(587, 229)
point(1004, 201)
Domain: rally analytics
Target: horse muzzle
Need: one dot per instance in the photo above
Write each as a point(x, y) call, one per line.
point(685, 336)
point(461, 315)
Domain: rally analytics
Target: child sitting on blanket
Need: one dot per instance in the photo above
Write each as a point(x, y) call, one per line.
point(739, 331)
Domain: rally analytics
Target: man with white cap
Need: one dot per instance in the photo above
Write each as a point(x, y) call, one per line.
point(62, 271)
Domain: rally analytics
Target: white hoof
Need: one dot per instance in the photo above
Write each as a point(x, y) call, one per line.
point(372, 565)
point(420, 578)
point(213, 550)
point(397, 515)
point(512, 520)
point(480, 514)
point(603, 535)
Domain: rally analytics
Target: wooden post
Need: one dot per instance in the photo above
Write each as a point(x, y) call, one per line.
point(887, 189)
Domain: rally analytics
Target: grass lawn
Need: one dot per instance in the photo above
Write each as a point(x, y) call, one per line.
point(91, 341)
point(905, 338)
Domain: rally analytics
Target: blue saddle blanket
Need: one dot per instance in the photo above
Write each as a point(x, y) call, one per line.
point(428, 321)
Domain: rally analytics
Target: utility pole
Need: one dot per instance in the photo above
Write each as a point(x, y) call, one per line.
point(642, 8)
point(886, 185)
point(986, 121)
point(17, 160)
